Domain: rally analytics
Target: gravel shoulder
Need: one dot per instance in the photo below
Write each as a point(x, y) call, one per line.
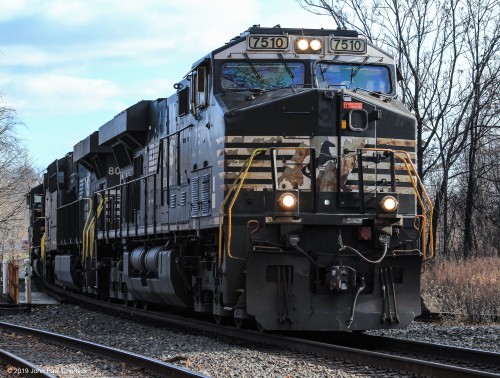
point(484, 337)
point(221, 357)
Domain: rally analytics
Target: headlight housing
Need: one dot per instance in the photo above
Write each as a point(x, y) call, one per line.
point(287, 201)
point(308, 45)
point(388, 204)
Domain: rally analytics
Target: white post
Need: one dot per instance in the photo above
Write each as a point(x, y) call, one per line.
point(27, 281)
point(5, 268)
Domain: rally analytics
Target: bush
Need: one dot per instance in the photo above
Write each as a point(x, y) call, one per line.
point(468, 289)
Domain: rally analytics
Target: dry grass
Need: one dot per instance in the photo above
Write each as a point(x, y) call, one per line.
point(470, 287)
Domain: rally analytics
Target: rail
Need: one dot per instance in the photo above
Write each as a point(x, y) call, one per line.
point(428, 359)
point(21, 367)
point(161, 368)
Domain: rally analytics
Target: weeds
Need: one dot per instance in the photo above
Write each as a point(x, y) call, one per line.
point(470, 288)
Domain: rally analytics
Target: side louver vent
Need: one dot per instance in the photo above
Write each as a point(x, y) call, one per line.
point(205, 195)
point(195, 197)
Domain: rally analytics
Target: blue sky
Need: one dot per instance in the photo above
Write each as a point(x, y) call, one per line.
point(69, 66)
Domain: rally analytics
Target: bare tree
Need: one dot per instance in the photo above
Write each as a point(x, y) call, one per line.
point(447, 52)
point(483, 42)
point(17, 175)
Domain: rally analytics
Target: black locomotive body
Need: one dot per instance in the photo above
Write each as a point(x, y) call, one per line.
point(276, 184)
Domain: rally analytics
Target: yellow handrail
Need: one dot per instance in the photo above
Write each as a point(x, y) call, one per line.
point(416, 183)
point(89, 251)
point(410, 168)
point(42, 246)
point(84, 232)
point(242, 174)
point(100, 207)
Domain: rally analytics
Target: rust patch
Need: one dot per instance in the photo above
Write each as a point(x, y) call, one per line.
point(293, 176)
point(327, 177)
point(293, 172)
point(237, 139)
point(267, 140)
point(349, 162)
point(396, 142)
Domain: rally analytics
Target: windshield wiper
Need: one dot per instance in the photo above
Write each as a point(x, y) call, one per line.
point(286, 66)
point(252, 67)
point(355, 71)
point(322, 71)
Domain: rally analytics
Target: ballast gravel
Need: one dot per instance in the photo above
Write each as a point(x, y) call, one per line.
point(222, 357)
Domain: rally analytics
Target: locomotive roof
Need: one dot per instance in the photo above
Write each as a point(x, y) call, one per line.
point(278, 30)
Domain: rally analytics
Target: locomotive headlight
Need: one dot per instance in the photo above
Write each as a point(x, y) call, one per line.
point(388, 204)
point(287, 201)
point(308, 45)
point(315, 45)
point(302, 44)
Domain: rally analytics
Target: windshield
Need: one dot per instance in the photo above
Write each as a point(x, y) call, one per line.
point(353, 76)
point(258, 75)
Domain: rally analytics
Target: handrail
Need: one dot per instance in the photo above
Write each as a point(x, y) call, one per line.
point(84, 231)
point(416, 183)
point(403, 156)
point(117, 186)
point(42, 246)
point(91, 228)
point(242, 174)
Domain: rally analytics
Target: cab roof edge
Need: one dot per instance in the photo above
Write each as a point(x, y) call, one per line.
point(277, 30)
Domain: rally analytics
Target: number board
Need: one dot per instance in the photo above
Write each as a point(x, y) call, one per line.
point(267, 42)
point(347, 45)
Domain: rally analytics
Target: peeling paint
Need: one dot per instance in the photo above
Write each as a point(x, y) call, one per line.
point(396, 142)
point(293, 174)
point(349, 161)
point(327, 177)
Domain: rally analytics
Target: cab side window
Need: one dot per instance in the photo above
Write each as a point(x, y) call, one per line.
point(183, 101)
point(199, 85)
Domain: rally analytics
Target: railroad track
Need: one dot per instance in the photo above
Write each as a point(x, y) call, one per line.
point(382, 353)
point(34, 352)
point(429, 317)
point(16, 365)
point(471, 362)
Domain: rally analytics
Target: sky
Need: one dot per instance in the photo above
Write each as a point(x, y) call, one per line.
point(69, 66)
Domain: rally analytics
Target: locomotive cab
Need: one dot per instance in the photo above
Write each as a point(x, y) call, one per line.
point(326, 200)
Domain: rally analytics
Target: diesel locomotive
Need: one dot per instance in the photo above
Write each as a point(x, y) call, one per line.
point(277, 185)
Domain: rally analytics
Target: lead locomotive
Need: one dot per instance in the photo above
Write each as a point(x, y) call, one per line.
point(277, 184)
